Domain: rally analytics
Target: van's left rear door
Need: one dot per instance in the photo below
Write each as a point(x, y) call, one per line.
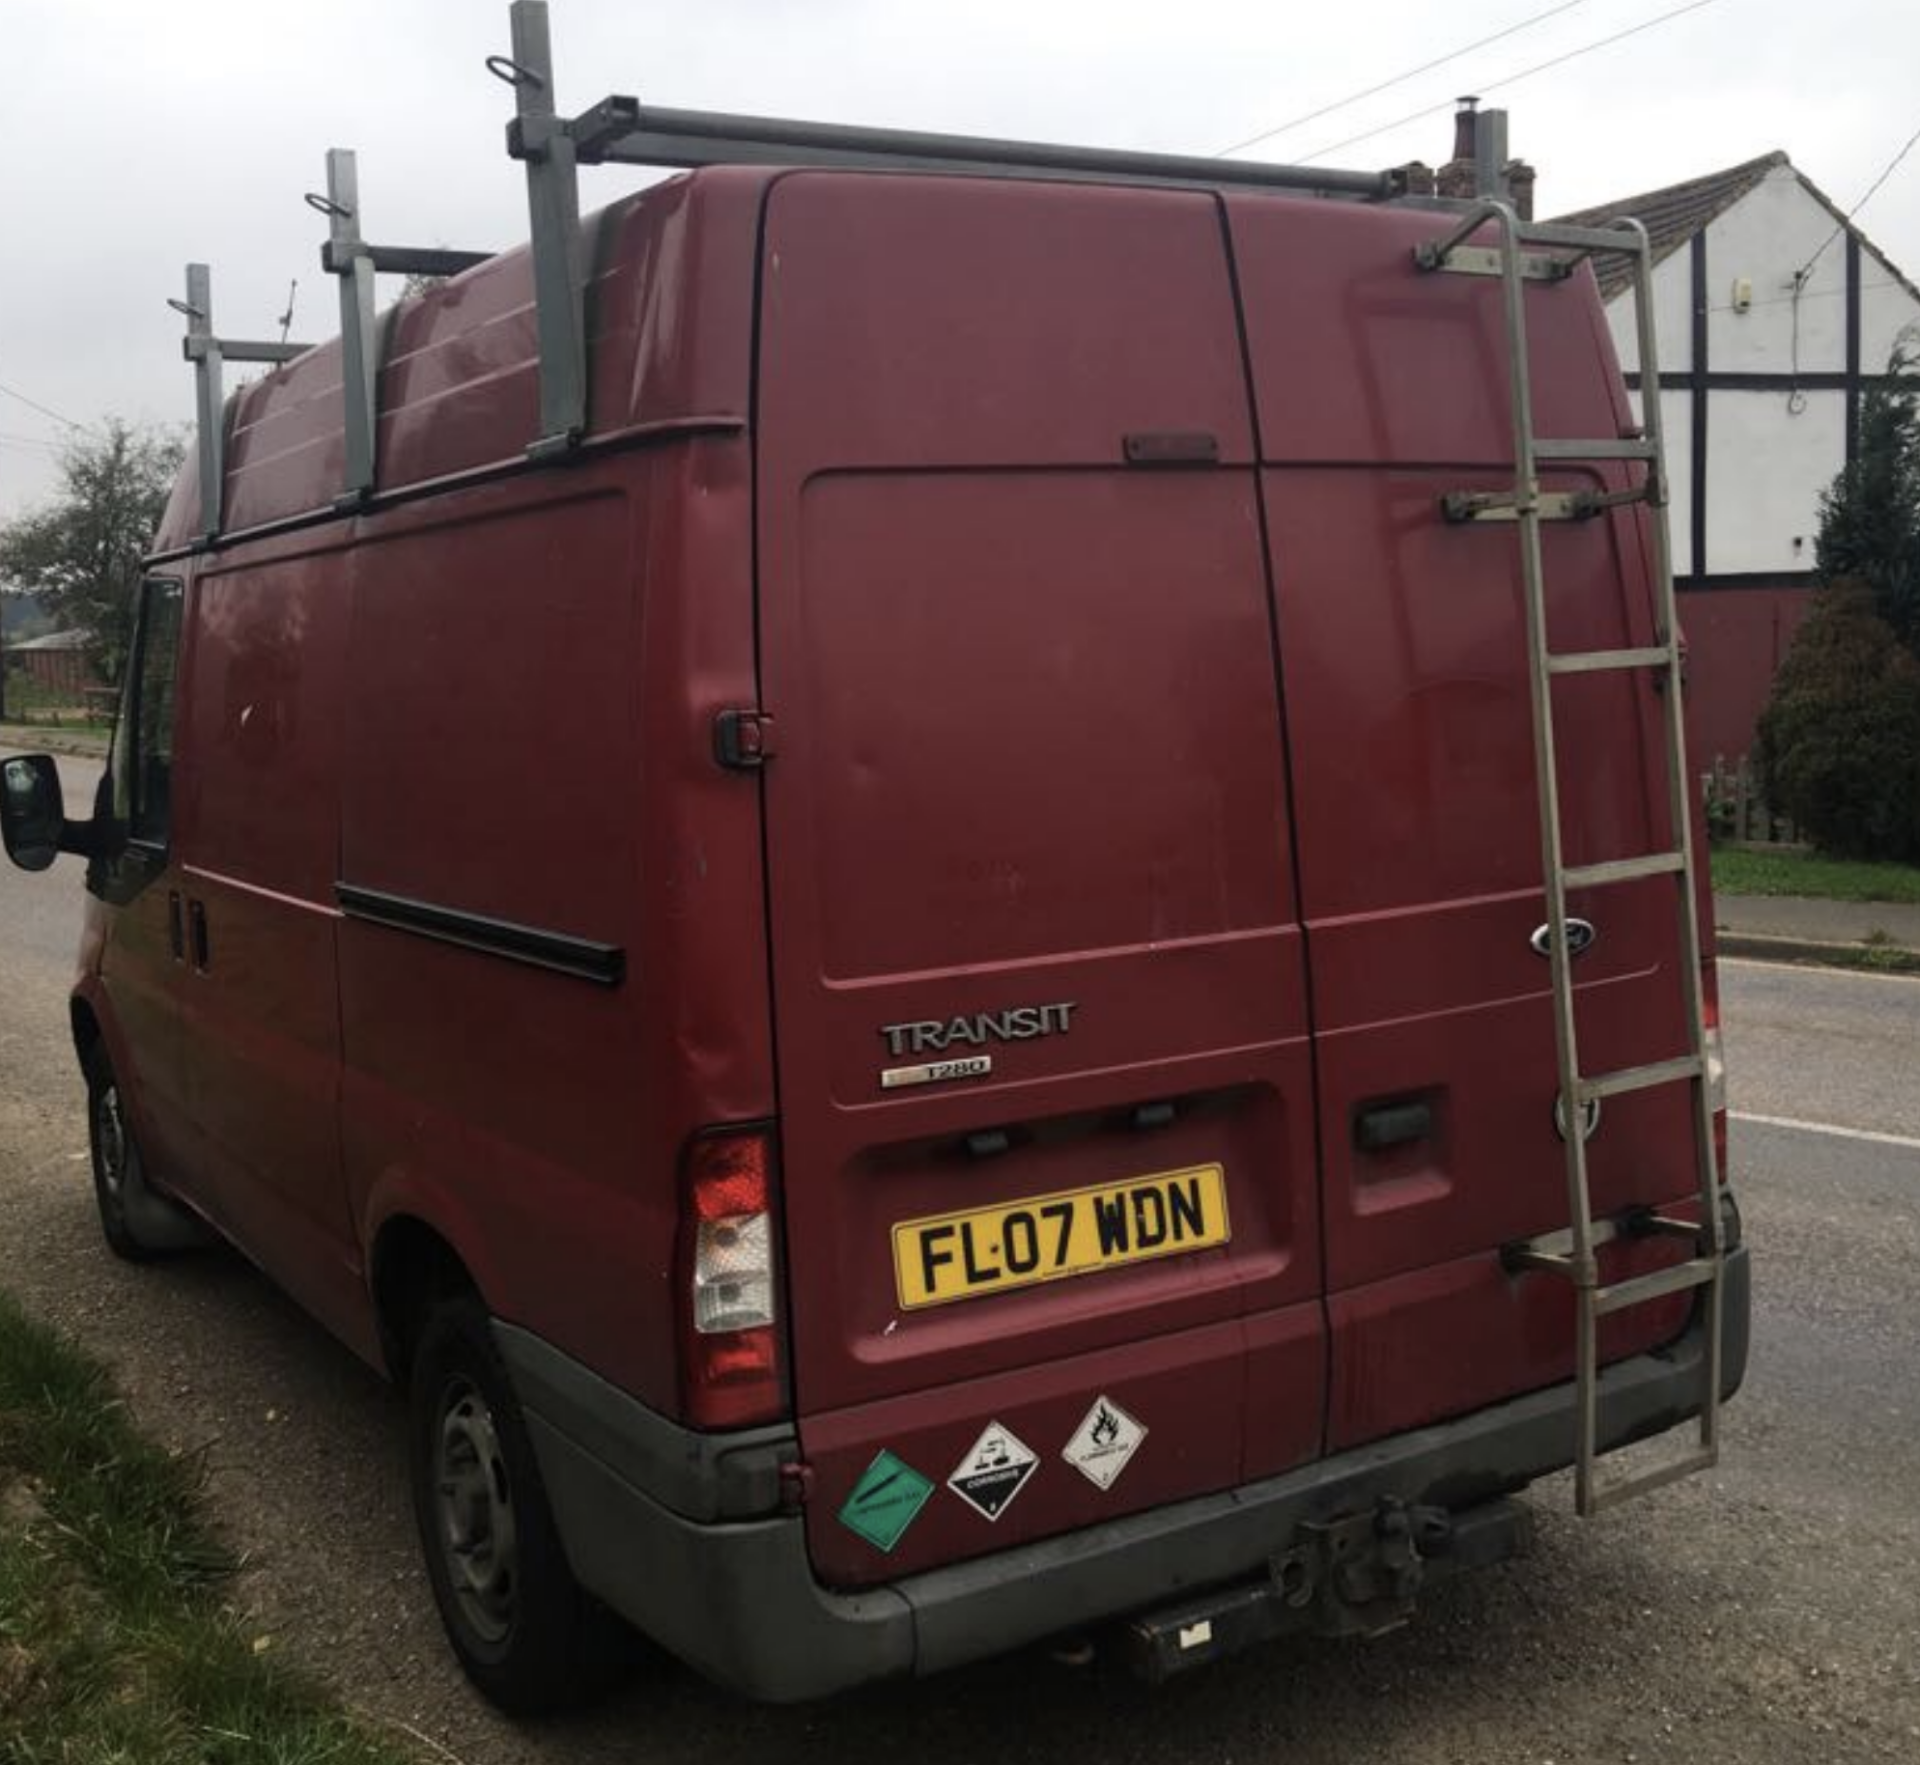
point(1046, 1107)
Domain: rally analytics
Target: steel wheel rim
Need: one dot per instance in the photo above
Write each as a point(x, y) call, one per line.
point(110, 1140)
point(479, 1541)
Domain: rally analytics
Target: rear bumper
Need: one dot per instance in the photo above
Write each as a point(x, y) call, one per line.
point(642, 1506)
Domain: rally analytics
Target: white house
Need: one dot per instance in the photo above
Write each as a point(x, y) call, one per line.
point(1773, 314)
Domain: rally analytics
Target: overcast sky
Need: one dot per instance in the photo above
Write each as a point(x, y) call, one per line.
point(136, 134)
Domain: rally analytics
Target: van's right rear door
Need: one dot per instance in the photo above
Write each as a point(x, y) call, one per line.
point(1378, 390)
point(1028, 843)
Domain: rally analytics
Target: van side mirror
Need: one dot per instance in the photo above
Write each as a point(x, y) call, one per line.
point(32, 812)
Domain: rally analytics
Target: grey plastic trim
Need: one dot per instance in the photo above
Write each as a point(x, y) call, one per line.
point(739, 1601)
point(730, 1476)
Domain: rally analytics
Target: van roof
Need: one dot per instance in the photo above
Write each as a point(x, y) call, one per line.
point(670, 295)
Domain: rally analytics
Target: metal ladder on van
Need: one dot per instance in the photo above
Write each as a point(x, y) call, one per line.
point(1516, 259)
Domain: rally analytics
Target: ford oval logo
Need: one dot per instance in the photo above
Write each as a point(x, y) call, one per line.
point(1580, 936)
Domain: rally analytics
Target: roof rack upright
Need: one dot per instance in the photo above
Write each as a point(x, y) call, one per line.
point(353, 261)
point(209, 352)
point(620, 130)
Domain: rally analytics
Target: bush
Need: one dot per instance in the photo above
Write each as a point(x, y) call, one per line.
point(1840, 737)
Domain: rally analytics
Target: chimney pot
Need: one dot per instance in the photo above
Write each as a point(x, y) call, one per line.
point(1463, 129)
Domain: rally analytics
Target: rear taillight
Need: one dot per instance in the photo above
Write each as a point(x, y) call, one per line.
point(1716, 1070)
point(730, 1337)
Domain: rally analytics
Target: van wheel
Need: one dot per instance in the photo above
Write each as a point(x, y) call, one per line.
point(524, 1630)
point(137, 1221)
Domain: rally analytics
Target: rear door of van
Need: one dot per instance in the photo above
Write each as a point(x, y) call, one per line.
point(1049, 1190)
point(1378, 389)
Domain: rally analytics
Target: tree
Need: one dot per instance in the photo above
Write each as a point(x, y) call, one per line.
point(80, 552)
point(1840, 737)
point(1870, 517)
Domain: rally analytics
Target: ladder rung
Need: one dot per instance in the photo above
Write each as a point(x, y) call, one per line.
point(1503, 505)
point(1702, 1458)
point(1605, 239)
point(1637, 448)
point(1643, 1289)
point(1592, 661)
point(1639, 1078)
point(1619, 870)
point(1661, 1226)
point(1490, 260)
point(1554, 1250)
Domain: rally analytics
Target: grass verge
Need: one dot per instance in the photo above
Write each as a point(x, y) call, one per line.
point(115, 1646)
point(1880, 953)
point(1738, 872)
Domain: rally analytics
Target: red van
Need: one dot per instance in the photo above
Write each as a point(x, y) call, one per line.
point(906, 984)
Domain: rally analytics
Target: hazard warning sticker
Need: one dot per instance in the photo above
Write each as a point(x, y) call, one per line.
point(885, 1502)
point(994, 1471)
point(1103, 1443)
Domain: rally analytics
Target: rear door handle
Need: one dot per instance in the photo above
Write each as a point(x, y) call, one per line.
point(197, 919)
point(1384, 1125)
point(176, 929)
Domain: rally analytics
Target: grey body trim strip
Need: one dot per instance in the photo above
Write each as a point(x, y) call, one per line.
point(740, 1603)
point(584, 959)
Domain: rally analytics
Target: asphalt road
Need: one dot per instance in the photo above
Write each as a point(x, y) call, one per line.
point(1768, 1613)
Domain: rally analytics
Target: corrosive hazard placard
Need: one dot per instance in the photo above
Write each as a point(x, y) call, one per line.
point(994, 1471)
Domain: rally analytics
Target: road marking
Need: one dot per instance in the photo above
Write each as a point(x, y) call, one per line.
point(1838, 1133)
point(1847, 970)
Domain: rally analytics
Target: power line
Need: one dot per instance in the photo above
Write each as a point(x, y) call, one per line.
point(1514, 79)
point(33, 404)
point(1426, 67)
point(1893, 165)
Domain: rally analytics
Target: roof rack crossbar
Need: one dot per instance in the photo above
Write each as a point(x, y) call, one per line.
point(622, 130)
point(209, 352)
point(405, 260)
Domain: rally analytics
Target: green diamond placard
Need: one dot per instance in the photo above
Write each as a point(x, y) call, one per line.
point(885, 1502)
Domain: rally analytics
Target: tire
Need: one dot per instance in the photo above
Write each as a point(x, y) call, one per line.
point(524, 1631)
point(138, 1222)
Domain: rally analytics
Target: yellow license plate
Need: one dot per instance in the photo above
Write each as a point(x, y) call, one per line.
point(986, 1250)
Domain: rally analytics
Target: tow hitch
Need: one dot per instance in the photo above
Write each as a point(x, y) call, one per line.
point(1355, 1575)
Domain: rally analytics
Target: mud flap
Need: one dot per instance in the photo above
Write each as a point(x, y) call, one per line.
point(1358, 1574)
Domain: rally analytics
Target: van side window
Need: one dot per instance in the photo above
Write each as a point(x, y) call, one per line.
point(149, 722)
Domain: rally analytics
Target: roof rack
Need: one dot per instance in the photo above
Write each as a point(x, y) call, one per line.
point(353, 262)
point(620, 130)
